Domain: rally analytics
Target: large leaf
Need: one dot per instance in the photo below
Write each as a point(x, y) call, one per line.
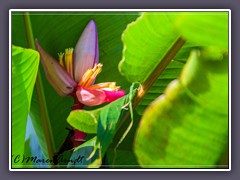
point(57, 31)
point(144, 31)
point(146, 42)
point(188, 125)
point(24, 71)
point(204, 28)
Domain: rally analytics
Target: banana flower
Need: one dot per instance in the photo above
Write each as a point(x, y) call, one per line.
point(75, 72)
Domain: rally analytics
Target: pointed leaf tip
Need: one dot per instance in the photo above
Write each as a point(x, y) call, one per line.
point(86, 52)
point(56, 75)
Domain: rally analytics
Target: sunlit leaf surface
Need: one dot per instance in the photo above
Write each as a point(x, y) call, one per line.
point(188, 125)
point(145, 43)
point(204, 28)
point(24, 71)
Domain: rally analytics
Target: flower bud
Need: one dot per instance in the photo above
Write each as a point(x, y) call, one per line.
point(86, 51)
point(56, 75)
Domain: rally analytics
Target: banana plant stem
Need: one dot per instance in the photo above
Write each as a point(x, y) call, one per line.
point(143, 89)
point(40, 93)
point(158, 70)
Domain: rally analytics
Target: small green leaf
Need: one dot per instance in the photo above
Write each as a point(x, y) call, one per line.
point(110, 119)
point(85, 121)
point(24, 71)
point(204, 28)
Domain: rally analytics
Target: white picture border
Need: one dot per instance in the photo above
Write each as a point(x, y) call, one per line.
point(115, 10)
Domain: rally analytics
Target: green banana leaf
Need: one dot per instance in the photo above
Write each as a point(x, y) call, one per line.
point(24, 71)
point(187, 127)
point(204, 28)
point(156, 38)
point(146, 41)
